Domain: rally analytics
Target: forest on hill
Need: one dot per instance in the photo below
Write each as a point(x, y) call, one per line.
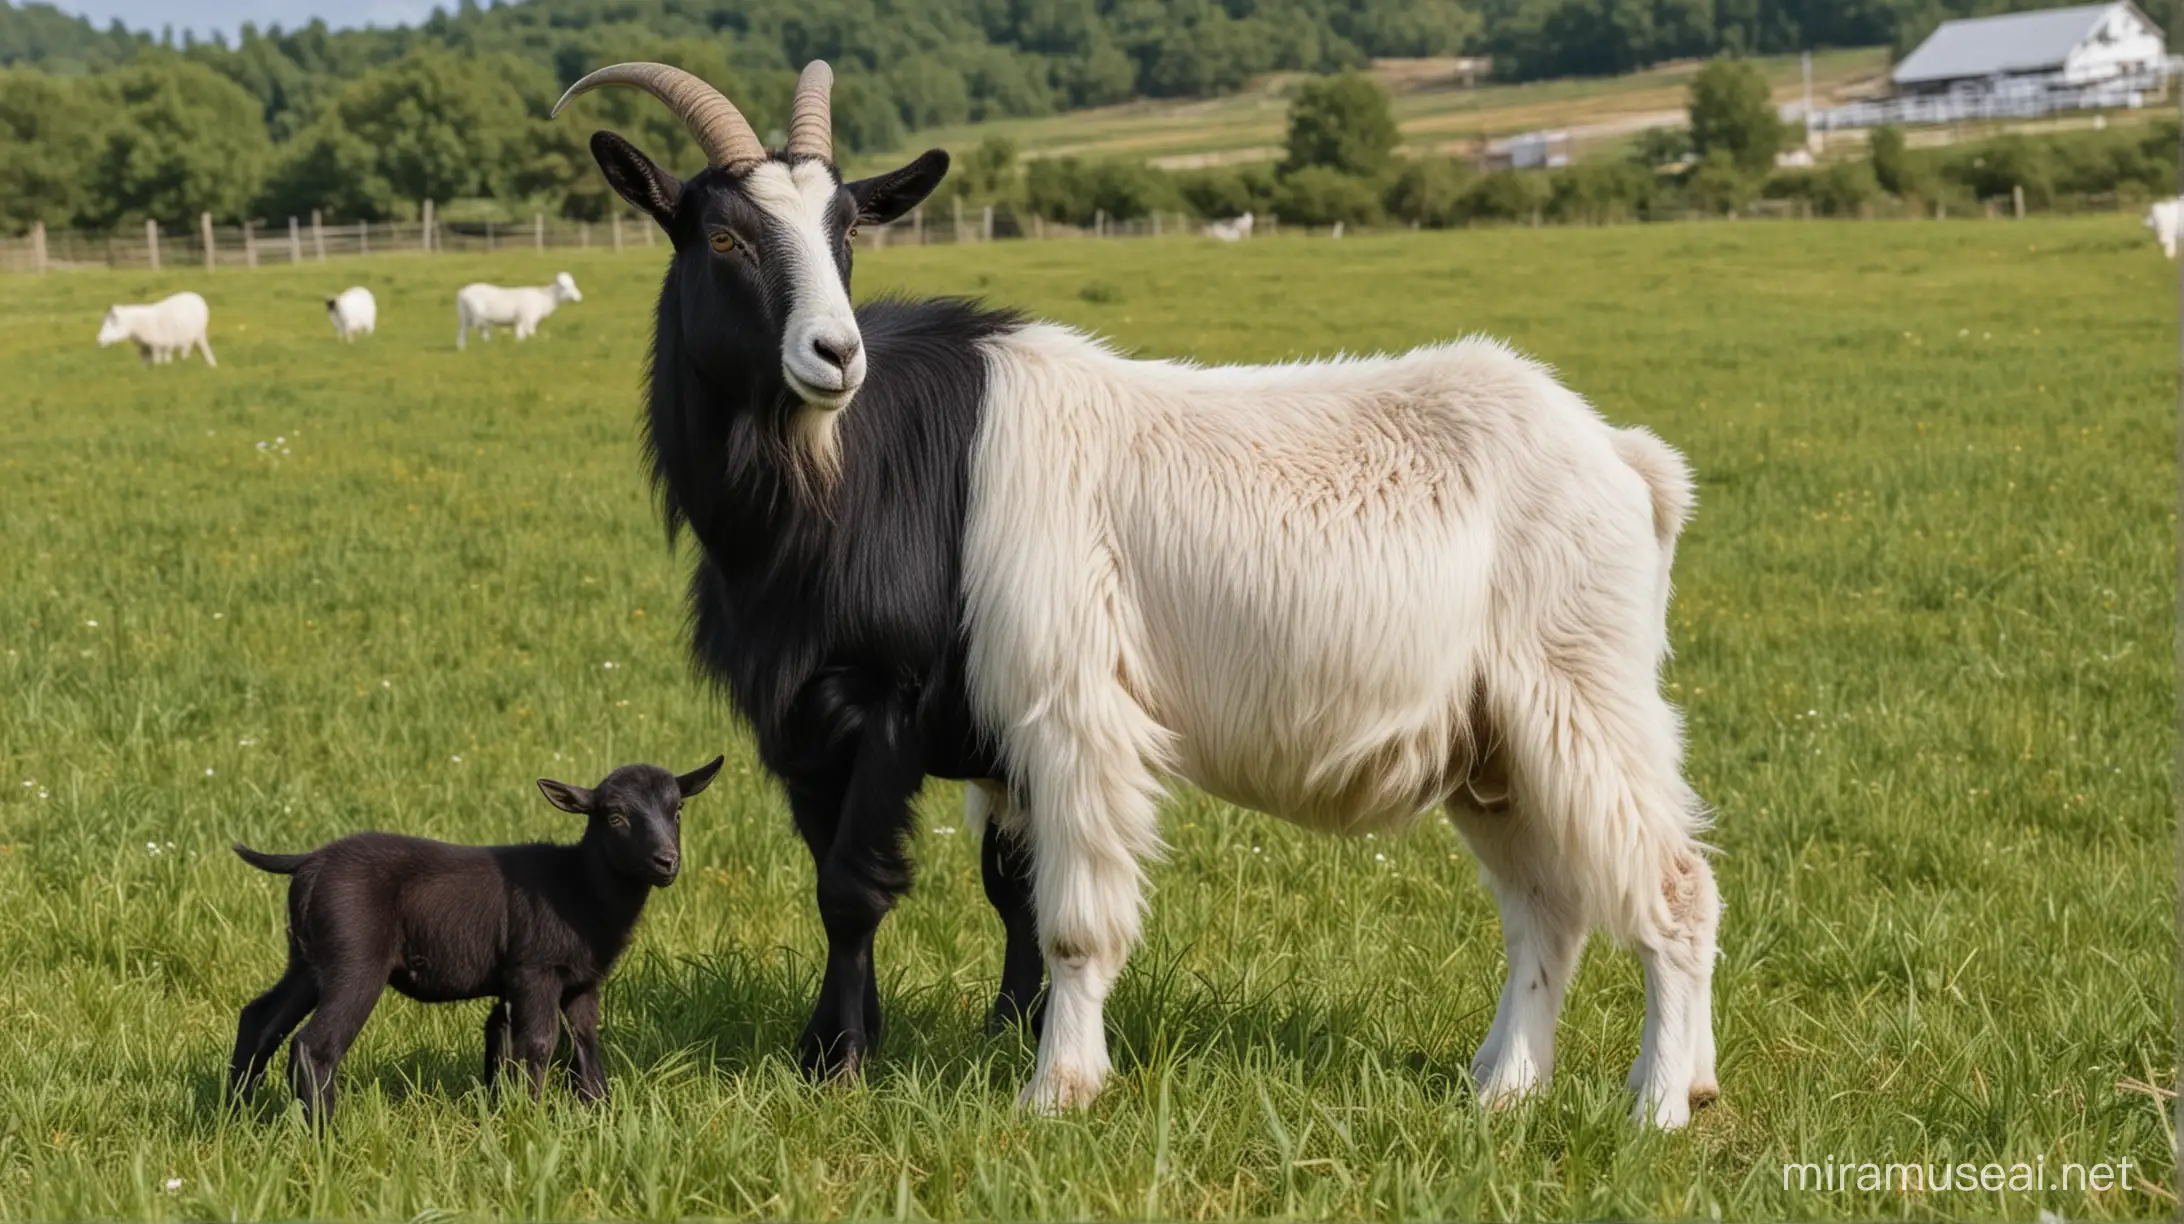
point(99, 127)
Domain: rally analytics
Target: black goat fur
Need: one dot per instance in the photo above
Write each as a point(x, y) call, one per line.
point(829, 609)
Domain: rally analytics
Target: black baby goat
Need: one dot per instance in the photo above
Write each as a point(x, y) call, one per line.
point(536, 927)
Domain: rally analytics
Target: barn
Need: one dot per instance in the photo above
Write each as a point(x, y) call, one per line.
point(2021, 65)
point(2068, 48)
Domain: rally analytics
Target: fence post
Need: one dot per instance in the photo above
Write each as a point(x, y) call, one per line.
point(955, 219)
point(489, 237)
point(151, 242)
point(538, 231)
point(250, 243)
point(425, 233)
point(1038, 226)
point(2017, 200)
point(295, 242)
point(318, 235)
point(204, 230)
point(1941, 211)
point(1099, 223)
point(37, 247)
point(1156, 223)
point(917, 225)
point(985, 227)
point(583, 234)
point(614, 223)
point(651, 232)
point(363, 237)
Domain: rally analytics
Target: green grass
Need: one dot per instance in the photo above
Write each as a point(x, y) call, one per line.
point(1923, 621)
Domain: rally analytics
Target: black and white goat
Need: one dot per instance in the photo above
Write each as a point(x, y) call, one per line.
point(939, 540)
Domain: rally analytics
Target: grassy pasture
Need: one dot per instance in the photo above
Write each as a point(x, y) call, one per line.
point(1923, 620)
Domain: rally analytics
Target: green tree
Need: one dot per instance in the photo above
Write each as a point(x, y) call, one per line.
point(180, 139)
point(1891, 160)
point(1323, 195)
point(1429, 191)
point(1341, 122)
point(49, 132)
point(1733, 114)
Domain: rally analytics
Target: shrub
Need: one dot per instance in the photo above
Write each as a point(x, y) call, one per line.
point(1322, 195)
point(1596, 193)
point(1430, 192)
point(1505, 195)
point(1228, 191)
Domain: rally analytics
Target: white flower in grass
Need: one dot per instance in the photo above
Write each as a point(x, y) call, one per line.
point(609, 665)
point(457, 759)
point(91, 624)
point(944, 830)
point(208, 773)
point(173, 1184)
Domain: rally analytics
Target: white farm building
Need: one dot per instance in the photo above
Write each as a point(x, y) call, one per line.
point(2021, 65)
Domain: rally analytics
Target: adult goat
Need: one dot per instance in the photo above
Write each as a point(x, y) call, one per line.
point(941, 540)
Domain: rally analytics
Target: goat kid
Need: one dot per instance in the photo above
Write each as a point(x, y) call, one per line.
point(536, 927)
point(481, 307)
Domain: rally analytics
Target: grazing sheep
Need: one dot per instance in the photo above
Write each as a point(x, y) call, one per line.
point(2164, 218)
point(536, 927)
point(162, 331)
point(354, 312)
point(941, 540)
point(1236, 229)
point(483, 307)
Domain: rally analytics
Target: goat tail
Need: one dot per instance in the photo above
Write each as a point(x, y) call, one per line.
point(278, 864)
point(1667, 477)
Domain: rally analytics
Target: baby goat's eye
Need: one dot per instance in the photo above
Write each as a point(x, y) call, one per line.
point(723, 241)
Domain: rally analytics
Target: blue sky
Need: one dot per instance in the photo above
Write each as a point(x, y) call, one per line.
point(228, 15)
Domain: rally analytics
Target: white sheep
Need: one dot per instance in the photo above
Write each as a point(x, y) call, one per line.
point(2164, 219)
point(354, 312)
point(482, 307)
point(163, 330)
point(1236, 229)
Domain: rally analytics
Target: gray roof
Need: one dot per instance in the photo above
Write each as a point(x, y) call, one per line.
point(2012, 42)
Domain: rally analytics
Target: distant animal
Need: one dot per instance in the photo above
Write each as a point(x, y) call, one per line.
point(944, 540)
point(482, 307)
point(354, 312)
point(536, 927)
point(2165, 218)
point(164, 330)
point(1235, 229)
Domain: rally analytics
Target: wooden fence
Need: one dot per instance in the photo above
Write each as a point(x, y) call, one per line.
point(312, 239)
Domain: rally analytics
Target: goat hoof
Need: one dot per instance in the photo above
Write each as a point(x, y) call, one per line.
point(1704, 1093)
point(827, 1061)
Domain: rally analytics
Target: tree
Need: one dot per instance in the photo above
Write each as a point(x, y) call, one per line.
point(1891, 162)
point(180, 139)
point(48, 136)
point(1341, 122)
point(1733, 114)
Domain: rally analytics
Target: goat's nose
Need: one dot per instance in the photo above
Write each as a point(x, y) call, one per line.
point(836, 351)
point(666, 861)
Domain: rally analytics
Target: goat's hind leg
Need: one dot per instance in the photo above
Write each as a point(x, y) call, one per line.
point(266, 1022)
point(1598, 763)
point(1543, 933)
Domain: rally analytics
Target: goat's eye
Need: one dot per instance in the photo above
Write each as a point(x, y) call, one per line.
point(723, 241)
point(617, 820)
point(849, 236)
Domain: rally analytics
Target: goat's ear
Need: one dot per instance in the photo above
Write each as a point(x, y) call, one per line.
point(884, 197)
point(636, 178)
point(566, 797)
point(700, 778)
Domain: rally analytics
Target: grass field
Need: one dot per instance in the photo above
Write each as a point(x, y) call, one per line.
point(1924, 626)
point(1434, 115)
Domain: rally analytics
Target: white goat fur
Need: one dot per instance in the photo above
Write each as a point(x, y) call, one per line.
point(163, 330)
point(1347, 593)
point(481, 307)
point(354, 312)
point(2164, 219)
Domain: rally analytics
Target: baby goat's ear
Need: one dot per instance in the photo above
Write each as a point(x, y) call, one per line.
point(700, 778)
point(566, 797)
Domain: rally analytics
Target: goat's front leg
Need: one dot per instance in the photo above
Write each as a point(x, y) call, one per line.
point(496, 1044)
point(1092, 818)
point(534, 1026)
point(1005, 865)
point(581, 1010)
point(855, 828)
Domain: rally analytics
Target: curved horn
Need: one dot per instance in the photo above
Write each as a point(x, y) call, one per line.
point(714, 122)
point(811, 116)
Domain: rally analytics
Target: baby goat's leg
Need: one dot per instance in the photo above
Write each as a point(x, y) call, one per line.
point(266, 1022)
point(346, 1003)
point(496, 1042)
point(534, 1024)
point(582, 1012)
